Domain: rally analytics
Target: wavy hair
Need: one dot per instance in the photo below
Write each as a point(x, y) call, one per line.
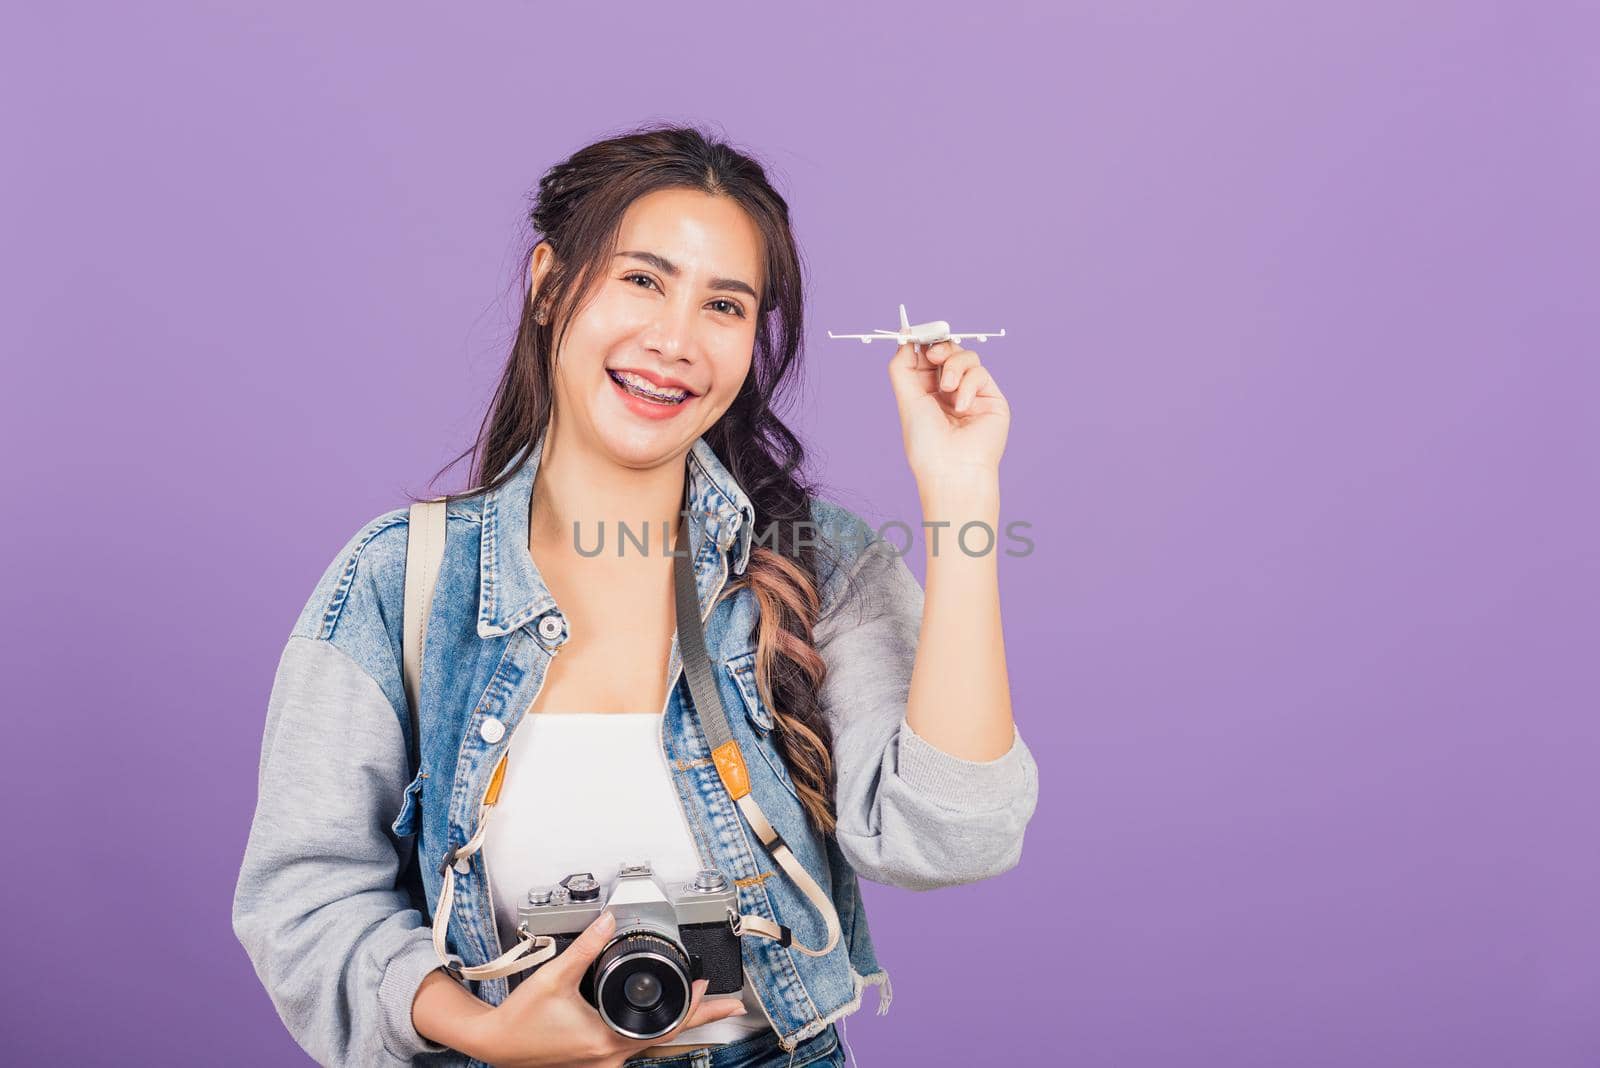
point(578, 209)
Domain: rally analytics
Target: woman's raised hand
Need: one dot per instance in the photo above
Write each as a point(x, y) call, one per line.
point(545, 1021)
point(952, 413)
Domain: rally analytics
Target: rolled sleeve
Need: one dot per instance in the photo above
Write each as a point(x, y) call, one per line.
point(401, 978)
point(969, 785)
point(909, 814)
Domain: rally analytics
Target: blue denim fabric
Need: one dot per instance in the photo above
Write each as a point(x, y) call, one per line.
point(758, 1051)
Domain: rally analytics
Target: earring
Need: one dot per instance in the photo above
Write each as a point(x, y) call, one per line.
point(541, 314)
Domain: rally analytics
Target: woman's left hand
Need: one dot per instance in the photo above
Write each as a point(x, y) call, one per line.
point(952, 413)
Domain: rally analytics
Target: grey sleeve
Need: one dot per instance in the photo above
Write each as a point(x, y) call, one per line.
point(909, 814)
point(338, 945)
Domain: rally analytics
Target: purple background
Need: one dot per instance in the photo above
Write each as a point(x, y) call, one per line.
point(1303, 391)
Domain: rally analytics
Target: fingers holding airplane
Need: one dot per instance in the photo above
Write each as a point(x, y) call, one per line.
point(977, 382)
point(913, 357)
point(962, 378)
point(954, 367)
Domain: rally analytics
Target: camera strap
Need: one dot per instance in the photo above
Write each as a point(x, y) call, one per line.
point(424, 555)
point(729, 762)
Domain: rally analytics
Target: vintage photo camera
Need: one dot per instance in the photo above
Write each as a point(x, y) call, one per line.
point(666, 937)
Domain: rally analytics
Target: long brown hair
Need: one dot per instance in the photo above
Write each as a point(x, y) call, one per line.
point(578, 209)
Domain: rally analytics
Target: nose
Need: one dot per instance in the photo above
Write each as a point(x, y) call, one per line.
point(671, 332)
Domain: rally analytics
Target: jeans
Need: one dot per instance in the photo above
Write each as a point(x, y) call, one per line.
point(821, 1050)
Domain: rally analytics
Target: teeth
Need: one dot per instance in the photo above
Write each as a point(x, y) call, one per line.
point(648, 388)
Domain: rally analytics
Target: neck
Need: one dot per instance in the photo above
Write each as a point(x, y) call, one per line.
point(577, 489)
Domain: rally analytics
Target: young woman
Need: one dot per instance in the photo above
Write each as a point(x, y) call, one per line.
point(663, 315)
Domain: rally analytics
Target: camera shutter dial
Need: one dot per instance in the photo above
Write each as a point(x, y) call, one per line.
point(582, 887)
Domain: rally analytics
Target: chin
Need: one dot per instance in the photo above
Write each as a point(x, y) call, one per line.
point(641, 445)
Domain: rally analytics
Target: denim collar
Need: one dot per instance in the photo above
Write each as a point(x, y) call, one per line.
point(511, 592)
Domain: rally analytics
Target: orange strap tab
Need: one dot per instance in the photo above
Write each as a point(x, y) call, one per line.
point(730, 765)
point(493, 793)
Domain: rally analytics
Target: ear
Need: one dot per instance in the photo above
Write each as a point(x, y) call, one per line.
point(543, 259)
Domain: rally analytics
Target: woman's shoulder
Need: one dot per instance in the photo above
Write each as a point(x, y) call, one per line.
point(358, 601)
point(856, 564)
point(838, 526)
point(361, 566)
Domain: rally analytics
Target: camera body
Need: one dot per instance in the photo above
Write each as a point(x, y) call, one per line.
point(666, 937)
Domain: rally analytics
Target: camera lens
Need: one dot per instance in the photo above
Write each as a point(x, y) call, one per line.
point(642, 985)
point(642, 990)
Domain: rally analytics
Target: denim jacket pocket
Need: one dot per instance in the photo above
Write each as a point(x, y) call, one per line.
point(405, 824)
point(742, 669)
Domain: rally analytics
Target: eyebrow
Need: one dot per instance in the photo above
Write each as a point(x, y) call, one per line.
point(667, 267)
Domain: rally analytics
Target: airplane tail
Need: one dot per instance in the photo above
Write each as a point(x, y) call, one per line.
point(905, 324)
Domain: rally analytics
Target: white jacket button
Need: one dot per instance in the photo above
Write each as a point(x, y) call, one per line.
point(492, 730)
point(550, 628)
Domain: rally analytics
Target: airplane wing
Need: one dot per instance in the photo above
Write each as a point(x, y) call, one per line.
point(882, 335)
point(985, 336)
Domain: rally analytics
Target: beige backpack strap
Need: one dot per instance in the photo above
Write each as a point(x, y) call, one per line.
point(424, 555)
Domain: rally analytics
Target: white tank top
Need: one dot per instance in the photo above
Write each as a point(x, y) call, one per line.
point(586, 791)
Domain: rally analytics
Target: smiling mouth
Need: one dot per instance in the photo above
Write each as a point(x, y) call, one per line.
point(645, 391)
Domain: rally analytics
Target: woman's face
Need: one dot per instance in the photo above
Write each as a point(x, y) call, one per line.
point(672, 316)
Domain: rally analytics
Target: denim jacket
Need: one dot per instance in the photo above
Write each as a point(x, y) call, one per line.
point(341, 941)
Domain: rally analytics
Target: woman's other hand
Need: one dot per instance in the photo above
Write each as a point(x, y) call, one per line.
point(545, 1021)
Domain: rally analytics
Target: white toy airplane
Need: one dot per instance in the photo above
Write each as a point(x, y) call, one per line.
point(921, 334)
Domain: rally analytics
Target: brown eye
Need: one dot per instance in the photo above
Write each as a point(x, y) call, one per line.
point(733, 307)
